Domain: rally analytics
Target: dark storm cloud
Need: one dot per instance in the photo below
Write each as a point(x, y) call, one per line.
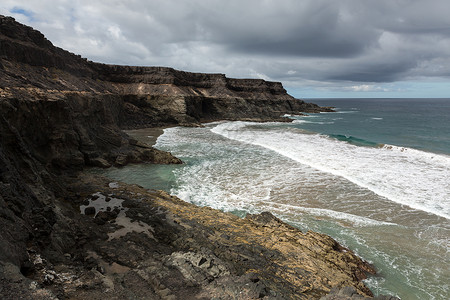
point(289, 40)
point(380, 72)
point(320, 28)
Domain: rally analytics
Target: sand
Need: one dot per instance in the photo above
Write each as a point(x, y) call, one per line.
point(146, 135)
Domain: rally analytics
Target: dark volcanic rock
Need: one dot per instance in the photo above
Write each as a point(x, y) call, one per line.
point(145, 96)
point(160, 246)
point(60, 113)
point(49, 125)
point(157, 95)
point(88, 211)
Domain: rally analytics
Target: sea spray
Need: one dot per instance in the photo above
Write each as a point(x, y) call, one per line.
point(343, 174)
point(407, 176)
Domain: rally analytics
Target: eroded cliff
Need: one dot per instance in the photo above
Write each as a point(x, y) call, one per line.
point(60, 113)
point(150, 95)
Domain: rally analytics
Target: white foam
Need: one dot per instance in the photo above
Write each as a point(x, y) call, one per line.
point(300, 121)
point(351, 218)
point(216, 184)
point(114, 185)
point(346, 111)
point(407, 176)
point(315, 176)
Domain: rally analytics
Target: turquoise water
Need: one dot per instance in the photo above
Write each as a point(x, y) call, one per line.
point(422, 124)
point(369, 175)
point(158, 177)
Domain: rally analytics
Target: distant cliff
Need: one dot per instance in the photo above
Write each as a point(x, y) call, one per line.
point(150, 95)
point(60, 113)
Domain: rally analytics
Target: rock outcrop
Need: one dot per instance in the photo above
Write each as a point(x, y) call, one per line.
point(184, 97)
point(150, 245)
point(149, 95)
point(68, 234)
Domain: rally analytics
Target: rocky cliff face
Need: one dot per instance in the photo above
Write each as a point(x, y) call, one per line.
point(51, 122)
point(150, 95)
point(59, 114)
point(184, 97)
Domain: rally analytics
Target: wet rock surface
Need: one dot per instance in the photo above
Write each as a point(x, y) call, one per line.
point(170, 249)
point(350, 293)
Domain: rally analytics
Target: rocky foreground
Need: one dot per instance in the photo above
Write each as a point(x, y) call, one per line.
point(131, 243)
point(66, 234)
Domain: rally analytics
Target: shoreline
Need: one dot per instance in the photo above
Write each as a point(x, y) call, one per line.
point(62, 114)
point(258, 256)
point(389, 276)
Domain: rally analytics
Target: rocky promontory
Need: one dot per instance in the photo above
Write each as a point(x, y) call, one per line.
point(66, 234)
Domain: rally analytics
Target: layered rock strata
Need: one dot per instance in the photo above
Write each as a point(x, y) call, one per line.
point(149, 95)
point(60, 113)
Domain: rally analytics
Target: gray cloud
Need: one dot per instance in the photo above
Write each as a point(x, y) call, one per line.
point(319, 29)
point(297, 42)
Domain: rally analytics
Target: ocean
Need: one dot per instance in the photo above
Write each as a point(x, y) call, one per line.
point(374, 175)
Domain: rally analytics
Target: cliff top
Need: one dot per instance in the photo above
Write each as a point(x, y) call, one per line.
point(23, 44)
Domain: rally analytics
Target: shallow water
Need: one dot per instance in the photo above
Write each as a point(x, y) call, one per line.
point(390, 204)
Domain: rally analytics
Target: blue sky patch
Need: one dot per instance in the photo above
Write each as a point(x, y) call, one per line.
point(21, 11)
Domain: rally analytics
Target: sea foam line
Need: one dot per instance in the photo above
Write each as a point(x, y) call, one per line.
point(407, 176)
point(356, 220)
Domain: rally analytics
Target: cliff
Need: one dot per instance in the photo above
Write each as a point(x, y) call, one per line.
point(148, 95)
point(68, 234)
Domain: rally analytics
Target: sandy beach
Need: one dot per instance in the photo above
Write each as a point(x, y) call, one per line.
point(146, 135)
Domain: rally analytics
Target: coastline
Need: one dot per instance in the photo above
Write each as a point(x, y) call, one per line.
point(72, 234)
point(258, 256)
point(151, 135)
point(385, 232)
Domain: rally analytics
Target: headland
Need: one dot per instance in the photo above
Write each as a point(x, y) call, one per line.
point(67, 234)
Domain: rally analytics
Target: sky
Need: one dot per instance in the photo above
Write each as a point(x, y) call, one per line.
point(317, 48)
